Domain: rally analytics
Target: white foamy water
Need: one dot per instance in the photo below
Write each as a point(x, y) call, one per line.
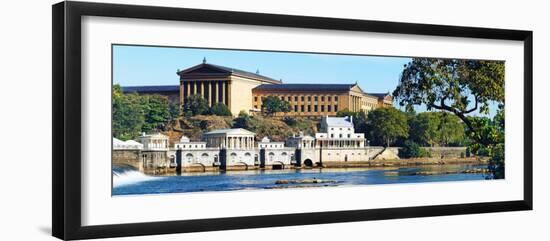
point(128, 177)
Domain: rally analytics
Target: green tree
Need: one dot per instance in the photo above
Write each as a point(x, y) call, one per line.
point(128, 114)
point(175, 111)
point(457, 86)
point(451, 129)
point(156, 111)
point(290, 121)
point(411, 149)
point(346, 112)
point(273, 104)
point(220, 109)
point(242, 121)
point(385, 125)
point(196, 105)
point(424, 128)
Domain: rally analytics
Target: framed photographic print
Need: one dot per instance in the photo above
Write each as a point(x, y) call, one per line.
point(170, 120)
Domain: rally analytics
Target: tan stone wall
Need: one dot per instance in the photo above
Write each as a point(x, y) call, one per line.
point(241, 94)
point(314, 103)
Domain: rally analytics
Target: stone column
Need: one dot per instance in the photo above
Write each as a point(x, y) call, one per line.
point(223, 93)
point(210, 94)
point(229, 94)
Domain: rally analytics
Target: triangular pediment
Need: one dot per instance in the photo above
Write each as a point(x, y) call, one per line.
point(356, 88)
point(204, 69)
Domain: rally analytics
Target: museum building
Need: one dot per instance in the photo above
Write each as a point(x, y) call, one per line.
point(245, 91)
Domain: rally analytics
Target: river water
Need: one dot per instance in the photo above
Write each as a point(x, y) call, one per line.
point(128, 182)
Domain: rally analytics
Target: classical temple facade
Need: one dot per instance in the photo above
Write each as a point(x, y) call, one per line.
point(245, 91)
point(219, 84)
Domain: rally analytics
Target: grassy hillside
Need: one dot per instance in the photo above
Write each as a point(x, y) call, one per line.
point(273, 127)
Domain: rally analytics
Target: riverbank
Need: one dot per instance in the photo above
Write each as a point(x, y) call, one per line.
point(356, 164)
point(407, 162)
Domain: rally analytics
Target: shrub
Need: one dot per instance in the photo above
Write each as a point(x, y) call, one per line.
point(412, 149)
point(290, 121)
point(243, 121)
point(220, 109)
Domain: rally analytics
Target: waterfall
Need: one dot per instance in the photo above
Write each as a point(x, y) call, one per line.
point(126, 175)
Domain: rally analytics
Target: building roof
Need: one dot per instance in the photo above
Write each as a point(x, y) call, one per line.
point(228, 70)
point(151, 88)
point(307, 87)
point(233, 131)
point(379, 95)
point(338, 121)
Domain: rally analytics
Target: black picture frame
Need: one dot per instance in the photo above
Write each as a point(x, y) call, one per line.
point(66, 75)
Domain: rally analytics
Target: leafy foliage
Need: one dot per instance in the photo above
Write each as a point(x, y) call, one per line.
point(460, 87)
point(273, 104)
point(411, 149)
point(385, 125)
point(242, 121)
point(436, 129)
point(452, 85)
point(196, 105)
point(128, 118)
point(156, 112)
point(220, 109)
point(133, 114)
point(290, 121)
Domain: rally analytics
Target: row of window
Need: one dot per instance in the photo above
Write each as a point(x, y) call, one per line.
point(302, 108)
point(302, 98)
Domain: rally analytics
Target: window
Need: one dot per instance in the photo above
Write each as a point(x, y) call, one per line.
point(328, 108)
point(255, 98)
point(336, 108)
point(288, 98)
point(309, 98)
point(331, 135)
point(309, 108)
point(329, 98)
point(322, 98)
point(295, 98)
point(255, 107)
point(301, 98)
point(315, 108)
point(302, 108)
point(295, 108)
point(322, 108)
point(340, 135)
point(335, 98)
point(315, 98)
point(332, 129)
point(349, 135)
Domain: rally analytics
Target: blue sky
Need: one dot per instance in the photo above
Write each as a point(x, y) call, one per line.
point(146, 65)
point(139, 65)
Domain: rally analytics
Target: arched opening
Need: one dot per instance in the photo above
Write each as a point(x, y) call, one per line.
point(271, 156)
point(278, 165)
point(197, 167)
point(241, 166)
point(233, 158)
point(173, 161)
point(204, 157)
point(189, 157)
point(308, 163)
